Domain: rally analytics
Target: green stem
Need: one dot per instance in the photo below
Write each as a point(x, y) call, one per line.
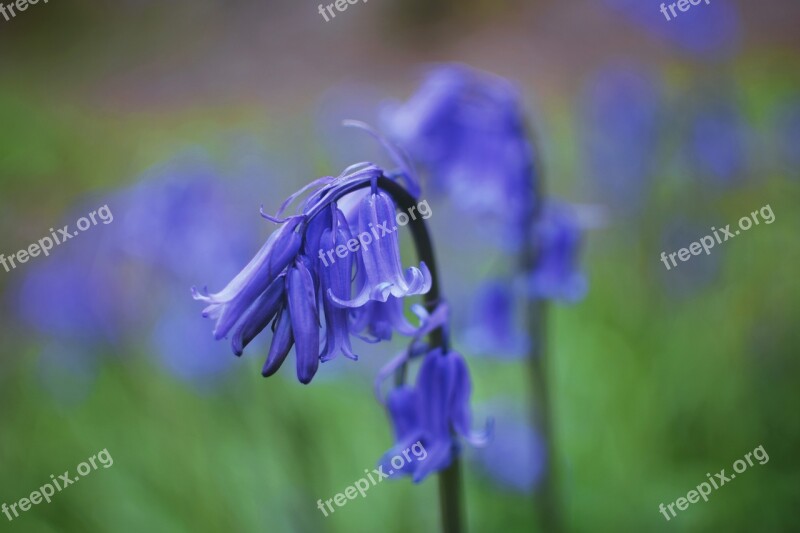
point(546, 500)
point(450, 497)
point(546, 497)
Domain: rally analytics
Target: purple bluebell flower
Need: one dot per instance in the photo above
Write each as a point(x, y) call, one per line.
point(292, 283)
point(75, 294)
point(516, 456)
point(467, 128)
point(230, 304)
point(558, 237)
point(619, 128)
point(185, 352)
point(494, 329)
point(709, 31)
point(431, 412)
point(336, 280)
point(380, 273)
point(301, 297)
point(718, 143)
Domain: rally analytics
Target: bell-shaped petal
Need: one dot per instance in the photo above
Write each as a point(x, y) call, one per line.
point(230, 304)
point(302, 299)
point(282, 342)
point(336, 280)
point(383, 274)
point(380, 319)
point(402, 405)
point(434, 412)
point(258, 316)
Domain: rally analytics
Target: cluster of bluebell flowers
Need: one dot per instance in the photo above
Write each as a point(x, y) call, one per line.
point(317, 308)
point(286, 285)
point(467, 129)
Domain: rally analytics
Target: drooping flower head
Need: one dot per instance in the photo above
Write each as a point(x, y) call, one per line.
point(435, 411)
point(467, 128)
point(318, 270)
point(558, 236)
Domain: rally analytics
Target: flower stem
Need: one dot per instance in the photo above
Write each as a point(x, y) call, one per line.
point(546, 500)
point(449, 479)
point(546, 497)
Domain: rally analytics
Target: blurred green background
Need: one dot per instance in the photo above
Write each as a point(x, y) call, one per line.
point(657, 378)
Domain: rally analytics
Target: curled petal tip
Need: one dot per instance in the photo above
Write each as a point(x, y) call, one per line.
point(200, 294)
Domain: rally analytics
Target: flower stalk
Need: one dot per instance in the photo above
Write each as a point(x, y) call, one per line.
point(450, 491)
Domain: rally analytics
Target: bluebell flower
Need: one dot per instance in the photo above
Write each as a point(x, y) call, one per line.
point(230, 304)
point(381, 273)
point(432, 412)
point(76, 293)
point(301, 298)
point(718, 143)
point(185, 352)
point(706, 31)
point(558, 237)
point(516, 456)
point(292, 285)
point(494, 329)
point(619, 116)
point(467, 128)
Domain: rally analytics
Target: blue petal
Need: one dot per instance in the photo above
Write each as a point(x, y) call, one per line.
point(258, 316)
point(228, 305)
point(301, 296)
point(336, 281)
point(282, 342)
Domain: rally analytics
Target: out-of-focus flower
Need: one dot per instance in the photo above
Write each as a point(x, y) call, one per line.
point(467, 128)
point(619, 129)
point(380, 319)
point(718, 140)
point(431, 411)
point(516, 457)
point(493, 329)
point(707, 31)
point(178, 339)
point(167, 224)
point(558, 237)
point(76, 292)
point(293, 284)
